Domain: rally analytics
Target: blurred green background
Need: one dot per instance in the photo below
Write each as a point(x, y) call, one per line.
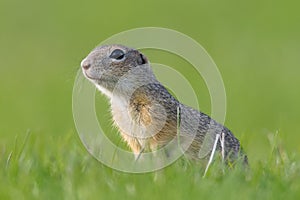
point(255, 44)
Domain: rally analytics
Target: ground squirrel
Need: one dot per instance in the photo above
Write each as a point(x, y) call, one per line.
point(146, 114)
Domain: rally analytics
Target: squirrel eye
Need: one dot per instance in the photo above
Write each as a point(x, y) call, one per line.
point(117, 54)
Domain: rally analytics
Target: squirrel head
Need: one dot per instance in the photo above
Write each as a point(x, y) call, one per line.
point(106, 64)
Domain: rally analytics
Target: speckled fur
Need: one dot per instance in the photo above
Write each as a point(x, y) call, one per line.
point(141, 106)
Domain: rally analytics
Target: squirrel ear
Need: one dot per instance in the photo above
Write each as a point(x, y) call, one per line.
point(142, 59)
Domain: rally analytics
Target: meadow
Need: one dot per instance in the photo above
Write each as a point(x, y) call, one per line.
point(255, 45)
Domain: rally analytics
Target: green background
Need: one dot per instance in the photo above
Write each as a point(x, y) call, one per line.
point(255, 45)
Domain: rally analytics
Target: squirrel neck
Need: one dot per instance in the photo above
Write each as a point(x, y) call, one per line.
point(138, 76)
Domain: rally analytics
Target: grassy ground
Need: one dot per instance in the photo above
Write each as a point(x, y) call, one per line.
point(255, 45)
point(33, 169)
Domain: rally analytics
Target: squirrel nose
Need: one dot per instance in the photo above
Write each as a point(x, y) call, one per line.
point(85, 65)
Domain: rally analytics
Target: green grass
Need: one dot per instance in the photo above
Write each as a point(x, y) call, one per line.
point(255, 45)
point(60, 168)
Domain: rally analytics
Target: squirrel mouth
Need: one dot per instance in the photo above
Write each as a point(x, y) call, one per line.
point(88, 76)
point(100, 80)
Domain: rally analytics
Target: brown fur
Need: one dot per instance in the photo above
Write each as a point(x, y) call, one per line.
point(148, 119)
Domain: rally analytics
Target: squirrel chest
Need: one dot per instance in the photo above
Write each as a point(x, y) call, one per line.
point(135, 119)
